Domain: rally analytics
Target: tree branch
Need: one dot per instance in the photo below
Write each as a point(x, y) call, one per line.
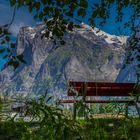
point(7, 26)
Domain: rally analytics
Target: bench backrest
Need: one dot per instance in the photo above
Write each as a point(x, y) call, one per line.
point(101, 89)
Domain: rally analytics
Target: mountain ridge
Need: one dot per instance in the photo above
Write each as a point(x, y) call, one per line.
point(88, 55)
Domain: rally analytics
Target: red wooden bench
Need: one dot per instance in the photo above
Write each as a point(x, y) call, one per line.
point(87, 89)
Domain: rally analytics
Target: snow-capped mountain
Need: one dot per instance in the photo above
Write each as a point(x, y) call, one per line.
point(88, 55)
point(130, 72)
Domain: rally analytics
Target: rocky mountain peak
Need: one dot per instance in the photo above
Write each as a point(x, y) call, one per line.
point(88, 55)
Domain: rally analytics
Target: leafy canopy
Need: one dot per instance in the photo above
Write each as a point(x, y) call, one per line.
point(60, 16)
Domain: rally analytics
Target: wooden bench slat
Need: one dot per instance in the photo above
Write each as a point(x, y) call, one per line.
point(109, 87)
point(102, 92)
point(101, 89)
point(100, 101)
point(98, 84)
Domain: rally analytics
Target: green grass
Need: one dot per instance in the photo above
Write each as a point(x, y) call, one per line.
point(114, 129)
point(56, 124)
point(98, 129)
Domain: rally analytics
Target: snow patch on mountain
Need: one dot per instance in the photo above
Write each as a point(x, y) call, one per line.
point(130, 72)
point(108, 38)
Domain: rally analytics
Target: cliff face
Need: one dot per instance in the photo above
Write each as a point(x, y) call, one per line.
point(88, 55)
point(132, 70)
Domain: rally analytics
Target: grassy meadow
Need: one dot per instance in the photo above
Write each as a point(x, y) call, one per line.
point(54, 122)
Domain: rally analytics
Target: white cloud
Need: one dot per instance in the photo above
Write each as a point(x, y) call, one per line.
point(22, 17)
point(14, 29)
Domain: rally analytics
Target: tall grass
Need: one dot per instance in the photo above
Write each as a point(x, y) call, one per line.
point(52, 122)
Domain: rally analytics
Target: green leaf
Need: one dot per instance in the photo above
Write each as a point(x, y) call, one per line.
point(41, 15)
point(36, 16)
point(50, 2)
point(0, 30)
point(70, 14)
point(44, 2)
point(28, 2)
point(138, 65)
point(7, 38)
point(138, 57)
point(110, 1)
point(37, 5)
point(84, 3)
point(57, 32)
point(31, 7)
point(12, 2)
point(2, 50)
point(5, 56)
point(3, 42)
point(8, 50)
point(126, 2)
point(93, 24)
point(102, 12)
point(47, 33)
point(20, 58)
point(81, 12)
point(77, 26)
point(12, 45)
point(70, 26)
point(13, 63)
point(62, 42)
point(72, 7)
point(46, 10)
point(5, 31)
point(49, 99)
point(95, 13)
point(20, 3)
point(23, 61)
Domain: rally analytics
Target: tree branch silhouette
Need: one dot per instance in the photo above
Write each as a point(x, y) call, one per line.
point(7, 26)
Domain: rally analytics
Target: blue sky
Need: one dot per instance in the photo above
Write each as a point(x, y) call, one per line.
point(23, 18)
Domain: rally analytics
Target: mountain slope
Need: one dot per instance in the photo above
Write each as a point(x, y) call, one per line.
point(130, 72)
point(88, 55)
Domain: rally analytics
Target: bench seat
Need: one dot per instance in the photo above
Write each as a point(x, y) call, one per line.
point(96, 89)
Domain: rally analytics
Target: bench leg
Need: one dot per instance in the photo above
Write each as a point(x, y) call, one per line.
point(74, 111)
point(126, 110)
point(137, 108)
